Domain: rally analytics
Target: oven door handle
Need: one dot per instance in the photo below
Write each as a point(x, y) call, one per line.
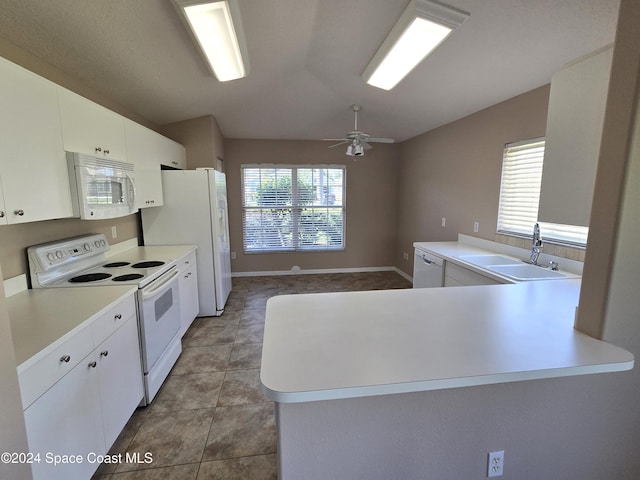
point(150, 292)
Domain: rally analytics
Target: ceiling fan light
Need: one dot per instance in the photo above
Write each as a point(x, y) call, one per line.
point(421, 28)
point(358, 150)
point(217, 29)
point(350, 150)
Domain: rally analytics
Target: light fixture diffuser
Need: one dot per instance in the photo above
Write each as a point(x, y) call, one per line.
point(350, 150)
point(421, 28)
point(217, 29)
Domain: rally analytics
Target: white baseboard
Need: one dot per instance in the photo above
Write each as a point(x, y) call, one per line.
point(316, 271)
point(406, 276)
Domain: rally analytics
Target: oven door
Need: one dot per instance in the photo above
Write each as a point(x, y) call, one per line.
point(159, 307)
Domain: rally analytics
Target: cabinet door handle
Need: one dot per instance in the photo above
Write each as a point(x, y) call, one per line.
point(65, 358)
point(106, 152)
point(105, 353)
point(98, 149)
point(1, 214)
point(117, 316)
point(93, 364)
point(19, 212)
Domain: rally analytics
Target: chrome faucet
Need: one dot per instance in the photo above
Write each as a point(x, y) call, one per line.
point(536, 245)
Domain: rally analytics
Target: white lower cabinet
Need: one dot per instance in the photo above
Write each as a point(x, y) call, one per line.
point(65, 424)
point(189, 304)
point(119, 379)
point(83, 409)
point(455, 276)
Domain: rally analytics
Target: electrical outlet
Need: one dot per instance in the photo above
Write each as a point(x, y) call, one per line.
point(405, 255)
point(233, 255)
point(476, 226)
point(114, 232)
point(495, 465)
point(444, 222)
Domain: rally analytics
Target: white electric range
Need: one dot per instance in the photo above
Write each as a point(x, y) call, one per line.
point(83, 261)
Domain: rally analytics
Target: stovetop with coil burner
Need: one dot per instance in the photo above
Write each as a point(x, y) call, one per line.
point(82, 261)
point(121, 272)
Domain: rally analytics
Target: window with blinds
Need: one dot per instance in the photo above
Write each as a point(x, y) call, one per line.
point(293, 208)
point(520, 196)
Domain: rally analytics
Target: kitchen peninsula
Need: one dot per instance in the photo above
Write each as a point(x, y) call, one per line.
point(358, 377)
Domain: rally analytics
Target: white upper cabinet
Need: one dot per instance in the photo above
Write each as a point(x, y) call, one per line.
point(148, 150)
point(173, 154)
point(90, 128)
point(574, 128)
point(33, 167)
point(143, 152)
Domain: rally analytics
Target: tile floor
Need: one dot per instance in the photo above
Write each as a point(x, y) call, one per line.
point(210, 419)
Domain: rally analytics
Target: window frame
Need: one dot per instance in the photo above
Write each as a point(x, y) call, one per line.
point(567, 235)
point(296, 208)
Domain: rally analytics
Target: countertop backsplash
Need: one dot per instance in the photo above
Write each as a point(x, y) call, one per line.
point(564, 251)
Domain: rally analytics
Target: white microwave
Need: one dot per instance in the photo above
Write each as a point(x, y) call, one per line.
point(101, 188)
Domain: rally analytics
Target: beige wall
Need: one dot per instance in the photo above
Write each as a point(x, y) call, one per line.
point(454, 172)
point(370, 203)
point(14, 239)
point(201, 138)
point(614, 176)
point(13, 436)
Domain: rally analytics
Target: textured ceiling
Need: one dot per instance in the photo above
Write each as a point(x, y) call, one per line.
point(306, 58)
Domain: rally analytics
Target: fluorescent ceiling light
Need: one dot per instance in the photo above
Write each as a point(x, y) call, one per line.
point(421, 28)
point(217, 29)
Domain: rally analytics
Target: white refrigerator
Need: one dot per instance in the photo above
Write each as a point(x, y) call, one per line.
point(195, 213)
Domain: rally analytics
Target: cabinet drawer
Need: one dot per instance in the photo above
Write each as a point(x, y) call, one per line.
point(187, 262)
point(47, 371)
point(112, 319)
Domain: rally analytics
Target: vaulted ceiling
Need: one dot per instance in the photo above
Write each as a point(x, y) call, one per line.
point(306, 59)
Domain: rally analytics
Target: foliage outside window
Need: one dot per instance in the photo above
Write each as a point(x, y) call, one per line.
point(293, 208)
point(520, 196)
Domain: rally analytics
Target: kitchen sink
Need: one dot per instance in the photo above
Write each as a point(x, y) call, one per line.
point(523, 271)
point(487, 260)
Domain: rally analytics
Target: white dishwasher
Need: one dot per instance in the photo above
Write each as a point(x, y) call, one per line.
point(428, 270)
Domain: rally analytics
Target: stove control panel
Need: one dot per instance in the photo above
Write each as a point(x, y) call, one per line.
point(54, 254)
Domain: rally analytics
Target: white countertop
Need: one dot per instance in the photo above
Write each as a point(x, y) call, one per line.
point(452, 251)
point(166, 253)
point(43, 318)
point(354, 344)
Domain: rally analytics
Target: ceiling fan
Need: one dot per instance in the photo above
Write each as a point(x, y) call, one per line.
point(356, 140)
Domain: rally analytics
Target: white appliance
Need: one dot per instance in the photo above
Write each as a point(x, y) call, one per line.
point(195, 213)
point(81, 261)
point(428, 270)
point(100, 188)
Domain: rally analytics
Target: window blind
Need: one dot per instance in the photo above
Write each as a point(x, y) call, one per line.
point(292, 208)
point(520, 195)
